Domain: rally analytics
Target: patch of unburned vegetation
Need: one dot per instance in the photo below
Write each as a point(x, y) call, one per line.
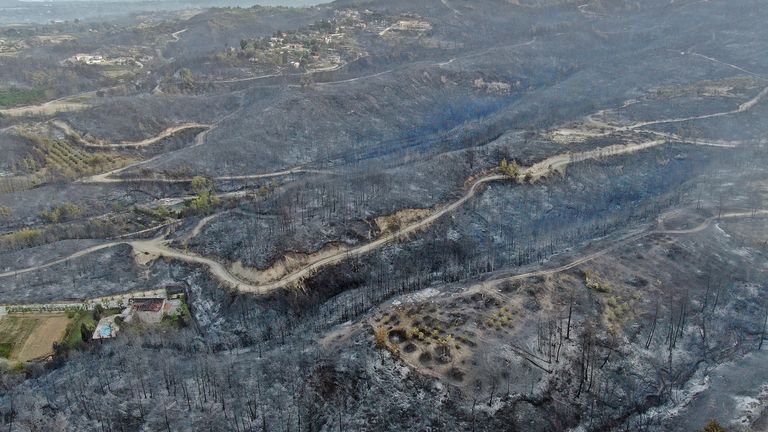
point(50, 160)
point(393, 223)
point(11, 97)
point(27, 337)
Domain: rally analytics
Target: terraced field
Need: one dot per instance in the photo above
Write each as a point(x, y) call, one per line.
point(51, 160)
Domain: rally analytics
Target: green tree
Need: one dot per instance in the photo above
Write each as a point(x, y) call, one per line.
point(53, 216)
point(98, 312)
point(509, 169)
point(163, 212)
point(62, 212)
point(204, 202)
point(71, 210)
point(186, 77)
point(200, 184)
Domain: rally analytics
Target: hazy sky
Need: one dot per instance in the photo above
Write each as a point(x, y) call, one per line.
point(43, 11)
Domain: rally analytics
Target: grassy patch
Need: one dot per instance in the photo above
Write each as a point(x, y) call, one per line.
point(14, 330)
point(5, 350)
point(595, 283)
point(179, 319)
point(29, 336)
point(79, 329)
point(11, 97)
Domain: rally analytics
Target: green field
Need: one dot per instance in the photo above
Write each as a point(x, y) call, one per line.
point(11, 97)
point(81, 321)
point(5, 349)
point(25, 337)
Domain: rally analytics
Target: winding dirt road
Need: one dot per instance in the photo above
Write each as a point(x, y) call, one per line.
point(611, 128)
point(175, 35)
point(107, 176)
point(701, 227)
point(67, 129)
point(159, 246)
point(730, 65)
point(746, 106)
point(60, 260)
point(67, 103)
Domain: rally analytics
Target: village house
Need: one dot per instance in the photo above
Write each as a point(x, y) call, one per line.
point(149, 310)
point(89, 59)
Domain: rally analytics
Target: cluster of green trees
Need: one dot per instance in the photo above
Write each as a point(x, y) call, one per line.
point(509, 169)
point(512, 170)
point(23, 238)
point(64, 212)
point(205, 199)
point(14, 96)
point(29, 237)
point(79, 331)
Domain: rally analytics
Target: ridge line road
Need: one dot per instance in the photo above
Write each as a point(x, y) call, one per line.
point(158, 246)
point(494, 280)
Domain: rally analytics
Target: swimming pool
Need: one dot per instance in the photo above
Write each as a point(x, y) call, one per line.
point(106, 331)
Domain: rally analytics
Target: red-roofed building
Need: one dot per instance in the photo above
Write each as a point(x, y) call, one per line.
point(149, 310)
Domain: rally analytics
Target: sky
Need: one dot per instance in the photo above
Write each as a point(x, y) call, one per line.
point(44, 11)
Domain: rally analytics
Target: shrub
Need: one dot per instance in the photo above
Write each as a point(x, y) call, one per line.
point(511, 170)
point(61, 213)
point(593, 282)
point(204, 202)
point(5, 350)
point(713, 426)
point(200, 184)
point(381, 334)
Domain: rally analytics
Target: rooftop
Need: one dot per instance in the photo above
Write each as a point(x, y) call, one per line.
point(148, 305)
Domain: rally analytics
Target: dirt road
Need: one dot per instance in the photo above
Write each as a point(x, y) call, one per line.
point(701, 227)
point(74, 102)
point(199, 140)
point(540, 169)
point(199, 227)
point(608, 129)
point(485, 51)
point(60, 260)
point(67, 129)
point(69, 103)
point(738, 68)
point(746, 106)
point(175, 35)
point(159, 246)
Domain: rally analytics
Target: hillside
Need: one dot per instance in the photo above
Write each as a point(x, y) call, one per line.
point(377, 215)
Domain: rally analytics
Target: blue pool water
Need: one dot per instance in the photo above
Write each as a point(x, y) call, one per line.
point(106, 330)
